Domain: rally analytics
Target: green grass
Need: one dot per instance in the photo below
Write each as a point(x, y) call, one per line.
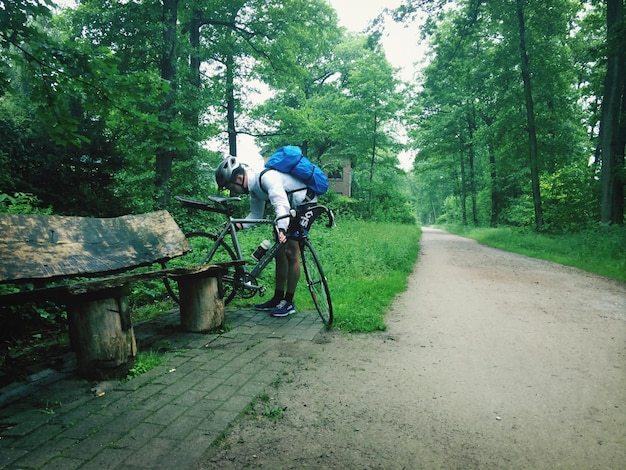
point(601, 250)
point(153, 309)
point(367, 265)
point(144, 362)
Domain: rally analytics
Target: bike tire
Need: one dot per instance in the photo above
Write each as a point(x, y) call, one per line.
point(232, 278)
point(201, 243)
point(317, 283)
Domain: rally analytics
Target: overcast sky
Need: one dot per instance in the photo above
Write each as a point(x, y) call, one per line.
point(399, 41)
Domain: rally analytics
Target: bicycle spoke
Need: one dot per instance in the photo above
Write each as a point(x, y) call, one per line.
point(225, 253)
point(317, 283)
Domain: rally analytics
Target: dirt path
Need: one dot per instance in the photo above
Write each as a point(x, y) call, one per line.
point(491, 360)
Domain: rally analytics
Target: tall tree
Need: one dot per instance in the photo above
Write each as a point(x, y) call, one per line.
point(483, 62)
point(456, 86)
point(167, 112)
point(248, 40)
point(613, 133)
point(530, 116)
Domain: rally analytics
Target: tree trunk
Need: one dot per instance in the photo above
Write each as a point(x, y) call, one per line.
point(165, 155)
point(370, 196)
point(495, 207)
point(194, 40)
point(231, 104)
point(613, 130)
point(193, 107)
point(530, 117)
point(472, 173)
point(463, 190)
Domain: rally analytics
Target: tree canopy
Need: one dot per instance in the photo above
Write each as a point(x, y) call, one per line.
point(106, 107)
point(508, 115)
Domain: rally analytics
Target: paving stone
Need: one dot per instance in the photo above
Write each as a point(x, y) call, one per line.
point(237, 402)
point(91, 445)
point(189, 398)
point(181, 427)
point(204, 409)
point(39, 456)
point(150, 456)
point(165, 415)
point(64, 463)
point(140, 436)
point(40, 436)
point(109, 458)
point(165, 418)
point(26, 422)
point(86, 427)
point(9, 455)
point(222, 393)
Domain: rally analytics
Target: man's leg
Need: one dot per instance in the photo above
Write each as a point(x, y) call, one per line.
point(282, 269)
point(281, 276)
point(292, 258)
point(292, 275)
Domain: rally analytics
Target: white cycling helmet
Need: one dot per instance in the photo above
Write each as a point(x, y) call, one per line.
point(227, 171)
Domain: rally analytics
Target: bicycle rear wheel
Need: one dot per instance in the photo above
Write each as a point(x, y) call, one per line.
point(201, 243)
point(317, 283)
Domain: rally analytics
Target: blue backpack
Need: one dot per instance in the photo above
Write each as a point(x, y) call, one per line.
point(289, 159)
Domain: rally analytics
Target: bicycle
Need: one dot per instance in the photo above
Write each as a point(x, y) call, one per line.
point(240, 281)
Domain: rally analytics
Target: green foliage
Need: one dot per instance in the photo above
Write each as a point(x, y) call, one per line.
point(570, 198)
point(518, 212)
point(87, 114)
point(349, 115)
point(471, 132)
point(145, 362)
point(367, 265)
point(22, 203)
point(344, 207)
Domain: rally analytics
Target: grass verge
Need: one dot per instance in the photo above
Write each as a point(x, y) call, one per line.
point(600, 250)
point(367, 264)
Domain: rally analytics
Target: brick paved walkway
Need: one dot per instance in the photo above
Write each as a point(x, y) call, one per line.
point(166, 418)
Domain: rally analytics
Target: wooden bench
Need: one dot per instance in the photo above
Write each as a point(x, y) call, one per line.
point(88, 264)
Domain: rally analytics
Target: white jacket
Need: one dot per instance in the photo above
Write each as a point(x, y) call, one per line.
point(282, 190)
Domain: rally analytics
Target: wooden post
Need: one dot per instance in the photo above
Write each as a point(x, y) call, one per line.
point(101, 333)
point(201, 305)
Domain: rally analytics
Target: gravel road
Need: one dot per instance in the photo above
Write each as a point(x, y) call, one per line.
point(491, 360)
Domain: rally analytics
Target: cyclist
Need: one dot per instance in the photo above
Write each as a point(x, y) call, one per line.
point(284, 192)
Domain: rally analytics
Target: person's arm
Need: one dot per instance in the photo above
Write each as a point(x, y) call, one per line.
point(274, 185)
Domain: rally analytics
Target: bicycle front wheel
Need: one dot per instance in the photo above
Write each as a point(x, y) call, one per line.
point(317, 283)
point(202, 243)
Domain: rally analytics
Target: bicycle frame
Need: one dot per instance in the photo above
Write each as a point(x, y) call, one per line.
point(244, 281)
point(229, 230)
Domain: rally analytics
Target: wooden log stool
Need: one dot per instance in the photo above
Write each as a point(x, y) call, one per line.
point(201, 299)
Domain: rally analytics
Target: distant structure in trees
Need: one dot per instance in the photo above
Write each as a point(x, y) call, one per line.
point(340, 178)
